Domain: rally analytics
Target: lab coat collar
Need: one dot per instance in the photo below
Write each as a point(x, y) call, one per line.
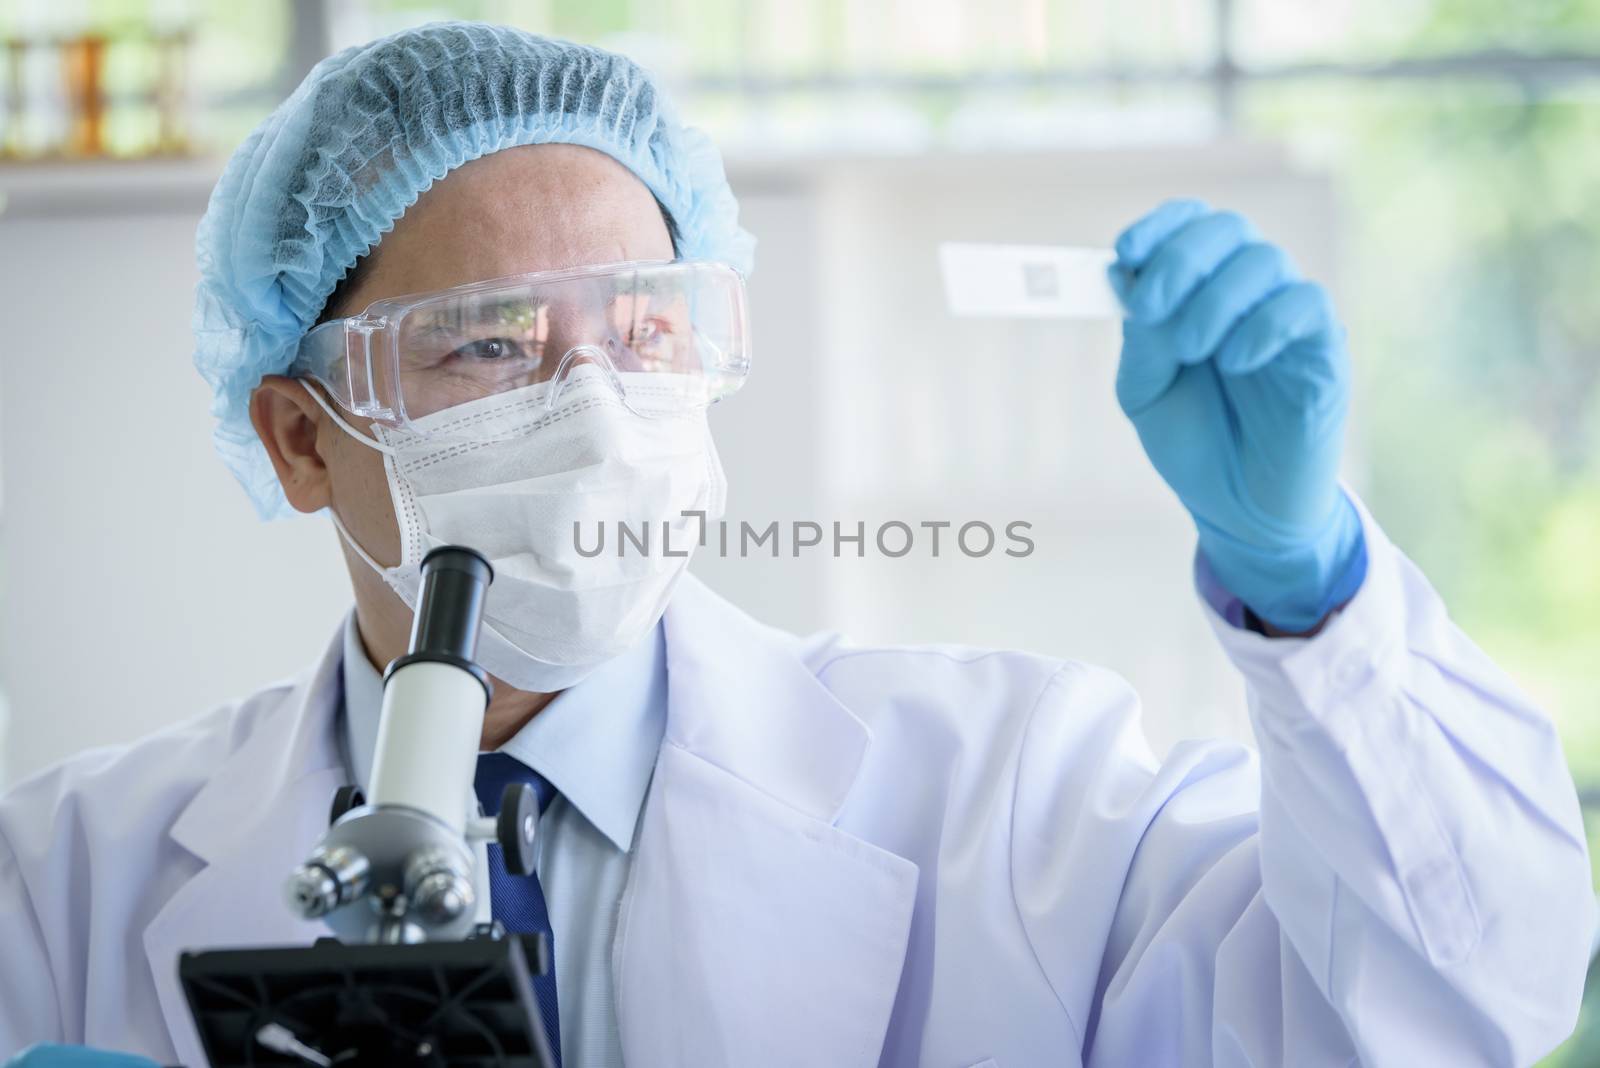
point(742, 698)
point(296, 740)
point(753, 930)
point(255, 820)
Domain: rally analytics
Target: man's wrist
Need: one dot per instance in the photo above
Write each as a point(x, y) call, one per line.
point(1253, 622)
point(1292, 591)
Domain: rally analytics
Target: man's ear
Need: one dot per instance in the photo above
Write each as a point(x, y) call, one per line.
point(287, 421)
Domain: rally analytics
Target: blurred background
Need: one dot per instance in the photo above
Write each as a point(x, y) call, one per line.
point(1436, 162)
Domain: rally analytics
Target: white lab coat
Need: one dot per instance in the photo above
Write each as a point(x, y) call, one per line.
point(927, 856)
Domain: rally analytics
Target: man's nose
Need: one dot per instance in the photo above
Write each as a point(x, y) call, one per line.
point(578, 340)
point(577, 337)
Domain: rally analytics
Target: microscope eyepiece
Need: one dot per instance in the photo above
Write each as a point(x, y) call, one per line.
point(458, 558)
point(455, 581)
point(444, 628)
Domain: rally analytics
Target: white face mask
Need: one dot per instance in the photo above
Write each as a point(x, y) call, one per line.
point(553, 615)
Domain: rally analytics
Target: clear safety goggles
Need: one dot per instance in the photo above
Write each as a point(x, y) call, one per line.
point(667, 337)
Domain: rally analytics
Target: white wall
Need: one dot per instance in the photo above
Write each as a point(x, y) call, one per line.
point(138, 588)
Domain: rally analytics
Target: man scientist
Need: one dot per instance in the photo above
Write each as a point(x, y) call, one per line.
point(468, 285)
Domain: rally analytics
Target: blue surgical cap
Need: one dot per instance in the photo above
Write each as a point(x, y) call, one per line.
point(327, 174)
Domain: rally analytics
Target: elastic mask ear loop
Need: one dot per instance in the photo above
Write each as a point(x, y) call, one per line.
point(338, 419)
point(355, 547)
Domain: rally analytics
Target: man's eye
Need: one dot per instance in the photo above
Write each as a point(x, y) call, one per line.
point(490, 348)
point(648, 333)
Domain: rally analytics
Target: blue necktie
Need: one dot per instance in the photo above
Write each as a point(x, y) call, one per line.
point(517, 901)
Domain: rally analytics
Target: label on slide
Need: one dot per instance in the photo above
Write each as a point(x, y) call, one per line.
point(1028, 281)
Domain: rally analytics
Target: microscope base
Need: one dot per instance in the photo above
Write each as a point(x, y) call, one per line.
point(466, 1004)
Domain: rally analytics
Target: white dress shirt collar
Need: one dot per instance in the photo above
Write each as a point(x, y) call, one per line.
point(596, 741)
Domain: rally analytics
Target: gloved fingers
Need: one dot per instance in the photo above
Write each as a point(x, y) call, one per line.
point(1250, 276)
point(1147, 368)
point(1135, 244)
point(1121, 280)
point(1296, 312)
point(1176, 268)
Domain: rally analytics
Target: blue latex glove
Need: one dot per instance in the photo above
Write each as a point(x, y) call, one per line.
point(51, 1055)
point(1235, 375)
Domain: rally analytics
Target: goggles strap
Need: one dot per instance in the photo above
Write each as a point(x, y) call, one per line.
point(340, 421)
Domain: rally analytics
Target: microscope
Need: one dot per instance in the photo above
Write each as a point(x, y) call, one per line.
point(414, 972)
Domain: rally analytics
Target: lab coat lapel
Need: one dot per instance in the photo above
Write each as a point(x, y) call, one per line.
point(753, 931)
point(256, 819)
